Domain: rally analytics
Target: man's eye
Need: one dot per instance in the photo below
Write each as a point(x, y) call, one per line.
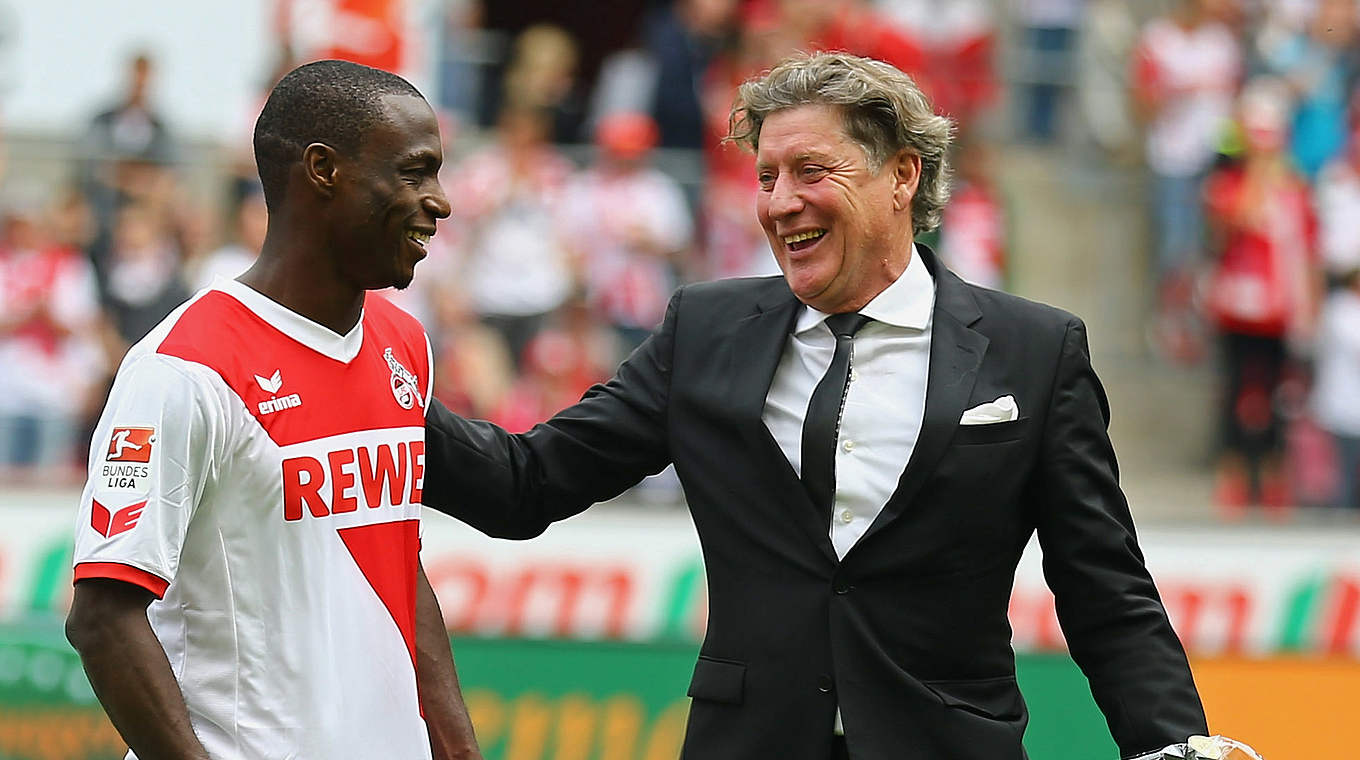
point(766, 180)
point(812, 171)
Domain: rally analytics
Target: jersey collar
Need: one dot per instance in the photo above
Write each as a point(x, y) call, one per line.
point(321, 339)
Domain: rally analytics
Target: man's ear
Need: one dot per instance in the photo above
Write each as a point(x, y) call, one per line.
point(320, 168)
point(906, 169)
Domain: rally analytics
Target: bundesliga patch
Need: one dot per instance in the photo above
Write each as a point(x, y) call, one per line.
point(131, 444)
point(127, 463)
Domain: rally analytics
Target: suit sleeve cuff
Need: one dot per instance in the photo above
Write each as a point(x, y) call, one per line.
point(119, 572)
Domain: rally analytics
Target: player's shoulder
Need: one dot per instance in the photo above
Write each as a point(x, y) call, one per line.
point(192, 316)
point(213, 325)
point(149, 371)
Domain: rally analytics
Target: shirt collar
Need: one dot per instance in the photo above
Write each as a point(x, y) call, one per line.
point(342, 348)
point(907, 302)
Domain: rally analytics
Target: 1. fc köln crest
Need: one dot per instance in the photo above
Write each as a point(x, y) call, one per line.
point(405, 388)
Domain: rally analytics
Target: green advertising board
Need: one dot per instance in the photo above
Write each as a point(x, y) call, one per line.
point(530, 700)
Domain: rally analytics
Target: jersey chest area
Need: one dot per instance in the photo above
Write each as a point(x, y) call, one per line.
point(311, 435)
point(343, 443)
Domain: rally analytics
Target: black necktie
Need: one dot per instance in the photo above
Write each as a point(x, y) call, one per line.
point(822, 423)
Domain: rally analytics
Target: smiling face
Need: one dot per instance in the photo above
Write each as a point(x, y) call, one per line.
point(389, 197)
point(840, 231)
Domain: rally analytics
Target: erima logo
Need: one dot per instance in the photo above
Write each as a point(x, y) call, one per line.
point(271, 385)
point(109, 524)
point(290, 401)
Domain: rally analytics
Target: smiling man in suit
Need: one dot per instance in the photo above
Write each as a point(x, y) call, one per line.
point(866, 445)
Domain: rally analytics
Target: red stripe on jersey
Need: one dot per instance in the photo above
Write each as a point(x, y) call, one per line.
point(119, 572)
point(387, 555)
point(284, 383)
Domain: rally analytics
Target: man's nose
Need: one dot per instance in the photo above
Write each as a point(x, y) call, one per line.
point(437, 203)
point(784, 197)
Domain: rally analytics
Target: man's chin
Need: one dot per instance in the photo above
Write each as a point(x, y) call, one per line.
point(807, 289)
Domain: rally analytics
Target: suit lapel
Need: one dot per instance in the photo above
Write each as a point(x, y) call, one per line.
point(757, 343)
point(956, 352)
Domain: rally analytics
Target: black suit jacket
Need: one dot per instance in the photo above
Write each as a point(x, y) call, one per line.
point(908, 634)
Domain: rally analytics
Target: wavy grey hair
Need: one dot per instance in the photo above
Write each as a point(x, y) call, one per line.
point(884, 112)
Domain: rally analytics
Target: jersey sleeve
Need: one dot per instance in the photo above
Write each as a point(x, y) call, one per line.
point(152, 453)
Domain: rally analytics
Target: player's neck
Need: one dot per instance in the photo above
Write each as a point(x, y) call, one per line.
point(303, 284)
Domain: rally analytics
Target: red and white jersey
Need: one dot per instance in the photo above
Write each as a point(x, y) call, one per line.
point(262, 476)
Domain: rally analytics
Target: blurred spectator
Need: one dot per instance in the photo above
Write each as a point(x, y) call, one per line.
point(509, 230)
point(249, 224)
point(853, 26)
point(49, 356)
point(1338, 204)
point(467, 52)
point(629, 223)
point(560, 364)
point(682, 40)
point(128, 146)
point(541, 75)
point(958, 42)
point(144, 277)
point(1048, 31)
point(973, 230)
point(70, 221)
point(1262, 294)
point(1105, 43)
point(473, 369)
point(1336, 395)
point(1319, 63)
point(664, 75)
point(1186, 70)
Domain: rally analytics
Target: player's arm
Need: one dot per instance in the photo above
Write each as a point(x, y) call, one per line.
point(128, 669)
point(149, 458)
point(441, 698)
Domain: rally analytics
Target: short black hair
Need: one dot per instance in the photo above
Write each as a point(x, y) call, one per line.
point(330, 102)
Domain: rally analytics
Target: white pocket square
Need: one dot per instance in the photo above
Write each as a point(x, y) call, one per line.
point(1001, 410)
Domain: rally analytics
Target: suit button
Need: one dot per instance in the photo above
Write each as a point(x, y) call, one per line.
point(825, 684)
point(842, 587)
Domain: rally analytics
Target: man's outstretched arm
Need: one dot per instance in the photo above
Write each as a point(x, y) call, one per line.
point(129, 671)
point(441, 698)
point(514, 486)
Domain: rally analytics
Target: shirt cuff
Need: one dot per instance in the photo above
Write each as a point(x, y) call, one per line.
point(120, 572)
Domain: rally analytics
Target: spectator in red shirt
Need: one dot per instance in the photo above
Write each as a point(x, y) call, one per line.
point(1263, 293)
point(50, 359)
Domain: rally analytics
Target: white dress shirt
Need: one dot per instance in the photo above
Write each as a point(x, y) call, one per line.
point(883, 405)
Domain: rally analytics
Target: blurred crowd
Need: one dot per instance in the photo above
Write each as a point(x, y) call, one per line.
point(1253, 149)
point(581, 201)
